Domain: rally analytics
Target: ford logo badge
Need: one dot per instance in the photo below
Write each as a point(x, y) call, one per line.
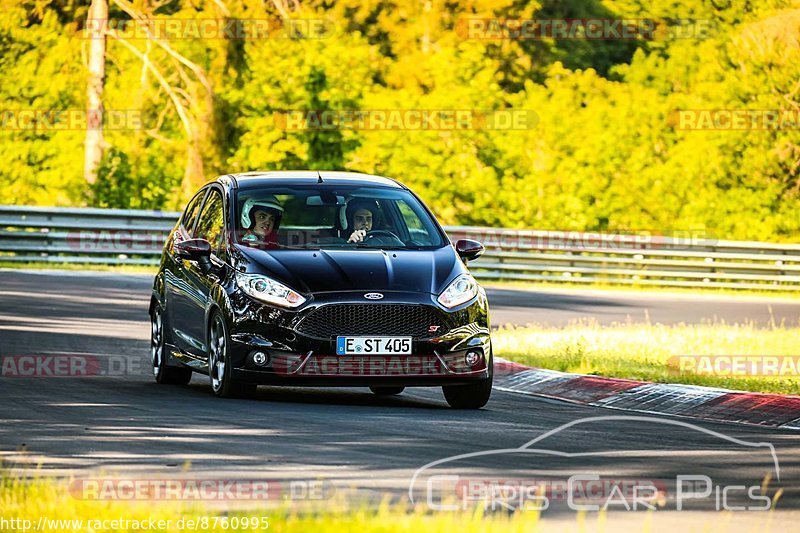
point(373, 296)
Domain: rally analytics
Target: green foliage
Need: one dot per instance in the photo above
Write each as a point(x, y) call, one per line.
point(38, 165)
point(604, 154)
point(123, 184)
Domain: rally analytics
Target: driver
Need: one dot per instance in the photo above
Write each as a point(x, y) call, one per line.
point(261, 219)
point(361, 215)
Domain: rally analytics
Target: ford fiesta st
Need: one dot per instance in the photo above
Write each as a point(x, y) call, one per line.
point(319, 279)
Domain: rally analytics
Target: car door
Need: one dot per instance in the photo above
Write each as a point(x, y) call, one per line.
point(211, 227)
point(176, 283)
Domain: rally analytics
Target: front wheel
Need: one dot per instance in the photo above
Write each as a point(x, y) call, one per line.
point(472, 395)
point(164, 374)
point(219, 367)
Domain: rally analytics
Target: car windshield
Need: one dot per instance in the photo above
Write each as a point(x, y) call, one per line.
point(327, 216)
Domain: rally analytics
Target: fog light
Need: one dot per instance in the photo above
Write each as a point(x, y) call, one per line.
point(472, 358)
point(260, 358)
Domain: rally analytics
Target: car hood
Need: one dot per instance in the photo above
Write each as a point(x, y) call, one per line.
point(311, 271)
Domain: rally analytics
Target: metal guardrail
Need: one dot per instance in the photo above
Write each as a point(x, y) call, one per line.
point(132, 237)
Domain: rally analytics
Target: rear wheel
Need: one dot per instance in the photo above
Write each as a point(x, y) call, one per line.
point(164, 374)
point(472, 395)
point(219, 367)
point(387, 391)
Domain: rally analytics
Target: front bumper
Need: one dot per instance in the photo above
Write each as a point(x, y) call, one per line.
point(298, 357)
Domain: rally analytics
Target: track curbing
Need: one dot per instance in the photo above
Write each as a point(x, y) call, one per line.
point(691, 401)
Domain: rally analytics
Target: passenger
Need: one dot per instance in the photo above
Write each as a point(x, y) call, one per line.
point(261, 219)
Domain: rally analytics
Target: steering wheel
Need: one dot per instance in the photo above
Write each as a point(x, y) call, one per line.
point(381, 233)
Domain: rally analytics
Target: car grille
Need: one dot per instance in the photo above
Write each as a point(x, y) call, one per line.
point(328, 321)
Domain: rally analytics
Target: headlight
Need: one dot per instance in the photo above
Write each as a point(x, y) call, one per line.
point(462, 289)
point(268, 290)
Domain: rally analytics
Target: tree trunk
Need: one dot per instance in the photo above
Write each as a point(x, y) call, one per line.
point(96, 24)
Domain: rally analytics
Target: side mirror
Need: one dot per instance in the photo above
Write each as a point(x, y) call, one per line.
point(468, 249)
point(193, 249)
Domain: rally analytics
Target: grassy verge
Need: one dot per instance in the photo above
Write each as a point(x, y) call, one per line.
point(40, 499)
point(45, 505)
point(122, 269)
point(643, 352)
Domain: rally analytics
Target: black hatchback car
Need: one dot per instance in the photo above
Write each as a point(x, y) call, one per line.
point(320, 279)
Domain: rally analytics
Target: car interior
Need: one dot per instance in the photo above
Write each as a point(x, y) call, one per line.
point(321, 220)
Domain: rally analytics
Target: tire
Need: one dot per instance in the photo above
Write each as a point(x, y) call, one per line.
point(219, 367)
point(387, 391)
point(472, 395)
point(165, 375)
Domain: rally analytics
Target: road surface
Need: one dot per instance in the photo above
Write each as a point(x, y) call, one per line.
point(359, 444)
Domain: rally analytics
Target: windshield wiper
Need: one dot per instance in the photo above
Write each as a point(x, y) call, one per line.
point(272, 246)
point(364, 245)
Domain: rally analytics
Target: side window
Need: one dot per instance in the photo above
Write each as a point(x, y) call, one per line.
point(416, 229)
point(190, 214)
point(211, 225)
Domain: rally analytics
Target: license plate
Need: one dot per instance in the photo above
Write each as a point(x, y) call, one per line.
point(373, 345)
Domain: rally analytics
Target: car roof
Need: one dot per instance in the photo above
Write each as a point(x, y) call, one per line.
point(274, 178)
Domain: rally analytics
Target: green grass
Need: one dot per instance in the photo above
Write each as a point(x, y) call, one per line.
point(50, 499)
point(642, 351)
point(30, 500)
point(123, 269)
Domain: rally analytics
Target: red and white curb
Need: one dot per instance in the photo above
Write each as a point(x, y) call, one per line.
point(770, 410)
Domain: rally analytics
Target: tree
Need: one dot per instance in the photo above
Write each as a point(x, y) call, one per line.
point(97, 18)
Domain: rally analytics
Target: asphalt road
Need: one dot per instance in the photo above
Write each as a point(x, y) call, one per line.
point(359, 444)
point(555, 307)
